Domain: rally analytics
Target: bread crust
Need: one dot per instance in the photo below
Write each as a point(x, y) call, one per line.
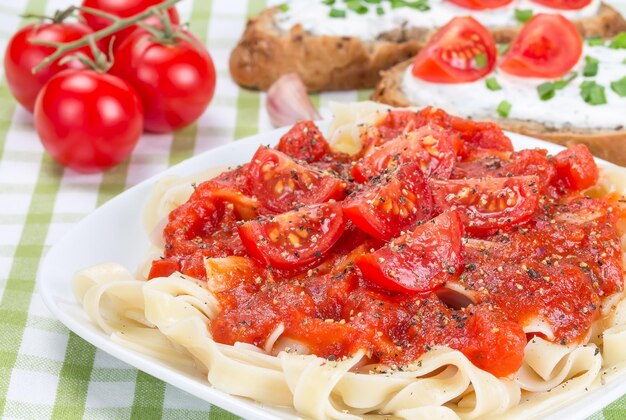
point(265, 53)
point(606, 144)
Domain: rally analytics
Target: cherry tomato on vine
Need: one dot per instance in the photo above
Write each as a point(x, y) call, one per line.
point(22, 56)
point(88, 121)
point(173, 74)
point(121, 8)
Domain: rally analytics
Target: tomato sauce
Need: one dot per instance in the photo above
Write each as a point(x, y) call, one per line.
point(553, 259)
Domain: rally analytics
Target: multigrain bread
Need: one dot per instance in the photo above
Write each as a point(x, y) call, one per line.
point(606, 144)
point(265, 52)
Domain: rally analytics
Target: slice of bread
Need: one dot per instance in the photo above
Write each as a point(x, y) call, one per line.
point(606, 144)
point(265, 53)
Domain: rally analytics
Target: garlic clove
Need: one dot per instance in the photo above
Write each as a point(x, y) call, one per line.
point(288, 102)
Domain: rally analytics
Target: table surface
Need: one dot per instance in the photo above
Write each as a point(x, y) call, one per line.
point(45, 370)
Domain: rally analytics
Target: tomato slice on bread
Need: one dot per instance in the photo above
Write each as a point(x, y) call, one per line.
point(488, 204)
point(480, 4)
point(548, 46)
point(281, 183)
point(564, 4)
point(420, 261)
point(433, 147)
point(462, 51)
point(294, 240)
point(390, 203)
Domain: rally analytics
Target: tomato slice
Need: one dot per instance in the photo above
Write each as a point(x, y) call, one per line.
point(462, 51)
point(420, 261)
point(391, 203)
point(295, 240)
point(489, 204)
point(280, 183)
point(564, 4)
point(304, 141)
point(431, 146)
point(548, 46)
point(481, 4)
point(576, 168)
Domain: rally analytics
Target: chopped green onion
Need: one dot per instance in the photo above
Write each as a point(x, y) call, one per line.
point(592, 93)
point(421, 5)
point(336, 13)
point(523, 15)
point(619, 41)
point(283, 7)
point(619, 86)
point(357, 7)
point(560, 84)
point(504, 108)
point(591, 66)
point(372, 1)
point(546, 91)
point(503, 48)
point(595, 41)
point(492, 84)
point(380, 10)
point(328, 2)
point(480, 60)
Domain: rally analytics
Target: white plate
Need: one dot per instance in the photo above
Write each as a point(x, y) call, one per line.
point(114, 233)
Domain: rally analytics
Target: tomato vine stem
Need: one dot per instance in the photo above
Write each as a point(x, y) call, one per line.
point(118, 24)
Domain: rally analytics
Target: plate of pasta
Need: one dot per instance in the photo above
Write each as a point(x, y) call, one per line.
point(389, 262)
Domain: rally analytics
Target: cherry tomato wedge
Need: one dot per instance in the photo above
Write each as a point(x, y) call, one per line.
point(431, 146)
point(488, 204)
point(481, 4)
point(280, 183)
point(564, 4)
point(548, 46)
point(304, 141)
point(477, 138)
point(391, 203)
point(420, 261)
point(576, 168)
point(295, 240)
point(462, 51)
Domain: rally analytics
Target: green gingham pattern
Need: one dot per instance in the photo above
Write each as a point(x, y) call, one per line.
point(45, 370)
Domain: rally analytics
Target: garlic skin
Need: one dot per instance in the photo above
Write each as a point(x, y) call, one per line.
point(288, 102)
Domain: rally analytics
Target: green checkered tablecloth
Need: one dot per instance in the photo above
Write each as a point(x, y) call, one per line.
point(45, 370)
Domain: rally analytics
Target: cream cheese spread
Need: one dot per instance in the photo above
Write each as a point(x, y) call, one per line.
point(314, 16)
point(566, 109)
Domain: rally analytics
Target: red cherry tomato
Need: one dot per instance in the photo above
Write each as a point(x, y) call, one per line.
point(304, 141)
point(296, 240)
point(420, 261)
point(490, 203)
point(163, 268)
point(22, 56)
point(175, 81)
point(88, 121)
point(462, 51)
point(121, 8)
point(390, 203)
point(481, 4)
point(280, 183)
point(576, 168)
point(548, 46)
point(431, 146)
point(564, 4)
